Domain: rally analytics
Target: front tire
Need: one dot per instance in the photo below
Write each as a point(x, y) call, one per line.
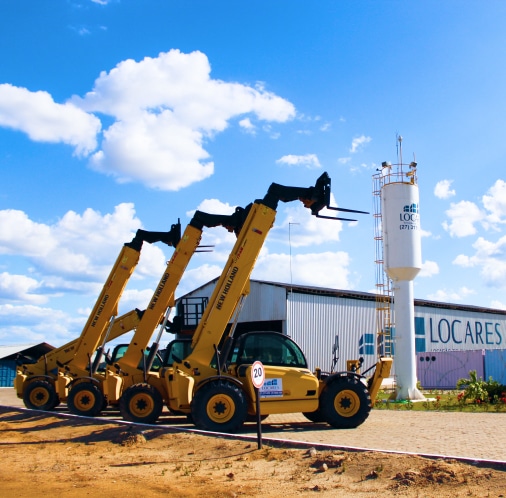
point(219, 406)
point(85, 399)
point(40, 395)
point(141, 403)
point(345, 403)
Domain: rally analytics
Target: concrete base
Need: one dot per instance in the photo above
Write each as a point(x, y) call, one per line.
point(412, 395)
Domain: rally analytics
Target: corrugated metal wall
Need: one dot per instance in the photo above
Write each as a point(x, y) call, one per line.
point(7, 373)
point(495, 365)
point(265, 302)
point(315, 320)
point(459, 340)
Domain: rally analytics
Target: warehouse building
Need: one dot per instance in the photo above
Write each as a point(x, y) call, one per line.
point(451, 339)
point(25, 353)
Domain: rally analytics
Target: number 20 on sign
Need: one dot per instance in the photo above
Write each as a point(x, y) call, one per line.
point(257, 374)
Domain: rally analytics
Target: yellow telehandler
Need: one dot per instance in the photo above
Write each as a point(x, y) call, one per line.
point(50, 379)
point(209, 378)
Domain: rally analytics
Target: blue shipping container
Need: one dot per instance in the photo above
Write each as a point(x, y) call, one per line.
point(495, 365)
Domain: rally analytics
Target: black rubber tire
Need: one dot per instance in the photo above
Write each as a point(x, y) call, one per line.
point(345, 403)
point(141, 403)
point(254, 418)
point(40, 395)
point(315, 416)
point(219, 406)
point(85, 399)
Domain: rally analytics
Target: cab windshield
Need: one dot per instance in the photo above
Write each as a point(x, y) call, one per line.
point(271, 348)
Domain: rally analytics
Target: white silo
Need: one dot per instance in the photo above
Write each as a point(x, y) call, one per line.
point(400, 211)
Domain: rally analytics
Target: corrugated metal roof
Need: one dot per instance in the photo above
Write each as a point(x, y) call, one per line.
point(366, 296)
point(35, 350)
point(369, 296)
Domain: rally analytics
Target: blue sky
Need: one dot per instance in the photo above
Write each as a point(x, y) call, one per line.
point(116, 115)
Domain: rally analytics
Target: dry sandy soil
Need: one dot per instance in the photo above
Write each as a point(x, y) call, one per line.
point(47, 454)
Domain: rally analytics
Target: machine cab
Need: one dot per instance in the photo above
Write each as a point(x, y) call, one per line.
point(120, 350)
point(271, 348)
point(289, 386)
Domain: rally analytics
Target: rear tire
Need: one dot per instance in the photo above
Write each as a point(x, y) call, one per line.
point(85, 399)
point(345, 403)
point(219, 406)
point(40, 395)
point(141, 403)
point(315, 416)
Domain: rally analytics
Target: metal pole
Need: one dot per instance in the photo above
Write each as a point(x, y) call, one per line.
point(259, 418)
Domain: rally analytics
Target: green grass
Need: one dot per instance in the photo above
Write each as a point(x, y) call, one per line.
point(438, 400)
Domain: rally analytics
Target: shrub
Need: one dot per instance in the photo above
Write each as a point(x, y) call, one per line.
point(478, 391)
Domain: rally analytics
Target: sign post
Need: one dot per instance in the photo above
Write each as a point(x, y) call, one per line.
point(258, 379)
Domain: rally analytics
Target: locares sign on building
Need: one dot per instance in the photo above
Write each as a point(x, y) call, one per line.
point(447, 332)
point(459, 334)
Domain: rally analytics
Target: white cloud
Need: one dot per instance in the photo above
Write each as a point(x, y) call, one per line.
point(82, 249)
point(213, 206)
point(463, 260)
point(360, 167)
point(296, 222)
point(69, 260)
point(43, 120)
point(247, 125)
point(20, 288)
point(196, 277)
point(495, 202)
point(135, 298)
point(217, 240)
point(29, 323)
point(449, 296)
point(442, 189)
point(490, 257)
point(359, 142)
point(463, 216)
point(73, 248)
point(155, 150)
point(327, 269)
point(429, 269)
point(498, 305)
point(164, 109)
point(310, 161)
point(20, 235)
point(152, 261)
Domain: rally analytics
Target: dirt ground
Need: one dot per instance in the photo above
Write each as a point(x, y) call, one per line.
point(47, 454)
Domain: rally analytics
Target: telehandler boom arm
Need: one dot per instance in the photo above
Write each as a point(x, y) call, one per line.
point(106, 306)
point(233, 285)
point(59, 356)
point(125, 370)
point(74, 357)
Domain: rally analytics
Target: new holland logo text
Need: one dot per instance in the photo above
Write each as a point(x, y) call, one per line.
point(159, 290)
point(99, 311)
point(230, 280)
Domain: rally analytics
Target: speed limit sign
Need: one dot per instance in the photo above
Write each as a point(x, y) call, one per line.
point(257, 374)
